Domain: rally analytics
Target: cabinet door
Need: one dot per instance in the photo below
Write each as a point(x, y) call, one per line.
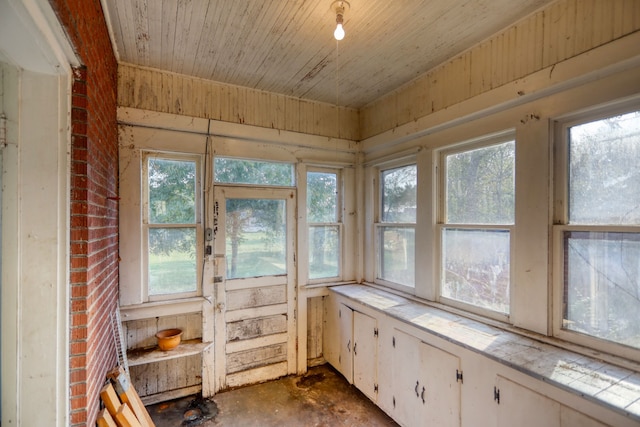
point(439, 388)
point(345, 357)
point(425, 390)
point(519, 406)
point(365, 354)
point(405, 365)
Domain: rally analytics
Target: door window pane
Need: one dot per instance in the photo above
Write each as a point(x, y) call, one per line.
point(602, 289)
point(255, 237)
point(397, 254)
point(475, 267)
point(172, 260)
point(324, 251)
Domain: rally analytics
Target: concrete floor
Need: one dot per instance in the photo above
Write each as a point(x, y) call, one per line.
point(322, 397)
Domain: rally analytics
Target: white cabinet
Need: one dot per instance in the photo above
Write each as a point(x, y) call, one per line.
point(345, 355)
point(365, 354)
point(352, 347)
point(425, 383)
point(519, 406)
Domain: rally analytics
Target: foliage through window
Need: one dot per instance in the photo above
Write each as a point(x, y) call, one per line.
point(171, 225)
point(256, 237)
point(396, 232)
point(324, 226)
point(242, 171)
point(601, 238)
point(479, 194)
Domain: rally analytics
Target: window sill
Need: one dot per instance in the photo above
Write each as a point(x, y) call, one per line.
point(600, 382)
point(162, 308)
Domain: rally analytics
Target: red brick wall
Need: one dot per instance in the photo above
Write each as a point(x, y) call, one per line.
point(94, 205)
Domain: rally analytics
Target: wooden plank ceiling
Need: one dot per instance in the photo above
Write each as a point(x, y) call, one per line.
point(287, 46)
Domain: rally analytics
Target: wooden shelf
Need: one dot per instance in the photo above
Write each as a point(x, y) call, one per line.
point(151, 355)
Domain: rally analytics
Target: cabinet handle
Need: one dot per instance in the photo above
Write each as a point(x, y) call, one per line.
point(355, 345)
point(422, 394)
point(416, 389)
point(349, 346)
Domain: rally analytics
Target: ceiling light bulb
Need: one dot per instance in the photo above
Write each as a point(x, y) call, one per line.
point(339, 32)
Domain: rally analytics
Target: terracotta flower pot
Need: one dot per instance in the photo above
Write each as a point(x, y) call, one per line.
point(168, 339)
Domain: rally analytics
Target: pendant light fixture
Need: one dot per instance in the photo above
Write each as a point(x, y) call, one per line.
point(339, 6)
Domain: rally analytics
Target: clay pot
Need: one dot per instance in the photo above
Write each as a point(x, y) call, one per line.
point(168, 339)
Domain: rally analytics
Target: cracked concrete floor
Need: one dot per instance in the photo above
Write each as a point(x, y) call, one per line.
point(321, 398)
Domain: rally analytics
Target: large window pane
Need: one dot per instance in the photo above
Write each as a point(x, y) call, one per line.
point(475, 267)
point(172, 191)
point(604, 171)
point(602, 286)
point(255, 237)
point(241, 171)
point(397, 255)
point(322, 197)
point(399, 194)
point(324, 251)
point(172, 264)
point(480, 185)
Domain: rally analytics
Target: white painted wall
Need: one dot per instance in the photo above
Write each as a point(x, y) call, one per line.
point(35, 215)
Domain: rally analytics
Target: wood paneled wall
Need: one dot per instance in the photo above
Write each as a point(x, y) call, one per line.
point(166, 375)
point(563, 30)
point(150, 89)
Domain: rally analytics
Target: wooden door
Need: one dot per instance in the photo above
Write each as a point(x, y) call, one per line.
point(255, 296)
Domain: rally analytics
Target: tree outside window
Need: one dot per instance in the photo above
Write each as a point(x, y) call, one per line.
point(397, 229)
point(479, 192)
point(601, 238)
point(171, 218)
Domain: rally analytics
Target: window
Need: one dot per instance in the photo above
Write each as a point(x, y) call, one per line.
point(323, 218)
point(599, 236)
point(255, 227)
point(171, 221)
point(397, 228)
point(255, 172)
point(478, 213)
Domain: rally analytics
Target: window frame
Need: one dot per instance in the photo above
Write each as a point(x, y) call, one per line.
point(560, 225)
point(441, 224)
point(339, 223)
point(379, 225)
point(146, 225)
